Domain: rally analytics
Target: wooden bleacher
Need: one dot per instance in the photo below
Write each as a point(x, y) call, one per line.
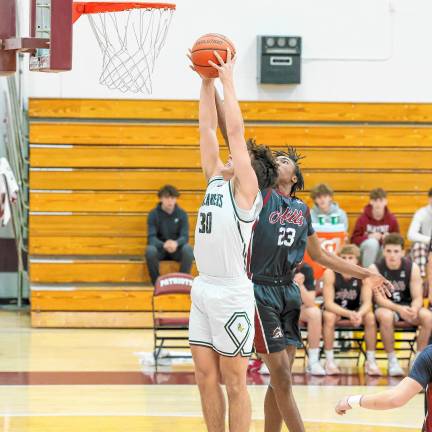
point(96, 166)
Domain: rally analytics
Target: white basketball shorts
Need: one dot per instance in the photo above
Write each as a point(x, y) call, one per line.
point(222, 315)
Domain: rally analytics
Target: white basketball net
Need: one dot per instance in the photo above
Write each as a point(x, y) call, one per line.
point(130, 42)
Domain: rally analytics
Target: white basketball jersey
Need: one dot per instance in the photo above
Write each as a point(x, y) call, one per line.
point(223, 231)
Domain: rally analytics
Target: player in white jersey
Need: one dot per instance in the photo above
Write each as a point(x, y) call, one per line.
point(221, 321)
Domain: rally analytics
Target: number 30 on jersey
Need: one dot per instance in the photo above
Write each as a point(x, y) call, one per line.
point(286, 236)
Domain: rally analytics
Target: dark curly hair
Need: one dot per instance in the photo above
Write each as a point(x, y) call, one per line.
point(168, 191)
point(263, 164)
point(295, 157)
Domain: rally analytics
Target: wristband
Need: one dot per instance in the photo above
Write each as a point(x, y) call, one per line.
point(354, 401)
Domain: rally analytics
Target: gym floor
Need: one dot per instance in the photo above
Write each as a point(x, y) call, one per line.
point(91, 380)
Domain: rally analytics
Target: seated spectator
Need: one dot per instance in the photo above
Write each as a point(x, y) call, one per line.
point(168, 234)
point(325, 210)
point(345, 297)
point(419, 233)
point(372, 226)
point(311, 315)
point(406, 303)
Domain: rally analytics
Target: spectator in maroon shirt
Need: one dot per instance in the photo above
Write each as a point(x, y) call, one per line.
point(372, 226)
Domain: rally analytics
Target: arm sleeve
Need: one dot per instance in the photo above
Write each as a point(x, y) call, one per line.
point(414, 231)
point(359, 234)
point(152, 230)
point(421, 370)
point(310, 229)
point(184, 229)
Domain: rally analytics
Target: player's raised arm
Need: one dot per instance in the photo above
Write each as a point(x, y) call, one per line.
point(209, 146)
point(221, 117)
point(377, 282)
point(244, 173)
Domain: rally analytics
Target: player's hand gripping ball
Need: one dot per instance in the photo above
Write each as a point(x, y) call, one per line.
point(204, 50)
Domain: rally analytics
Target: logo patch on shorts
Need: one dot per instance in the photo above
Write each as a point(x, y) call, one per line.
point(238, 328)
point(277, 333)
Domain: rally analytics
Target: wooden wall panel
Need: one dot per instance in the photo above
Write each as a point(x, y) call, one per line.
point(175, 158)
point(252, 110)
point(188, 135)
point(133, 180)
point(140, 202)
point(93, 271)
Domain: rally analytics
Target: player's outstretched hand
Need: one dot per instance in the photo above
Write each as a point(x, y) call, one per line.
point(342, 406)
point(225, 69)
point(191, 65)
point(380, 285)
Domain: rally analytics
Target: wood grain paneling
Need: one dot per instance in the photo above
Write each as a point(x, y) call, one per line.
point(105, 300)
point(121, 226)
point(175, 158)
point(139, 202)
point(188, 135)
point(133, 180)
point(252, 110)
point(91, 319)
point(93, 271)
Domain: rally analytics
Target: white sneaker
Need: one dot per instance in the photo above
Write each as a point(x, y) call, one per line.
point(263, 370)
point(331, 368)
point(394, 369)
point(372, 369)
point(315, 368)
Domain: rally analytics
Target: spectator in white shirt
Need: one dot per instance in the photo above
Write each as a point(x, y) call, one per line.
point(419, 233)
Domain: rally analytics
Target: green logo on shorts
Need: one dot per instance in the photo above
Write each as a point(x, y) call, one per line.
point(238, 328)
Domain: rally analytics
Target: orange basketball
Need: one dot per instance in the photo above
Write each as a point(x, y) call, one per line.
point(203, 51)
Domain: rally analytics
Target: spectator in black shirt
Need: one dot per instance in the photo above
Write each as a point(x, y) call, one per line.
point(168, 234)
point(418, 379)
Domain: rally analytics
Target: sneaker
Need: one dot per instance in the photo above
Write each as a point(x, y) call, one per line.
point(255, 365)
point(315, 369)
point(331, 368)
point(263, 370)
point(394, 369)
point(372, 369)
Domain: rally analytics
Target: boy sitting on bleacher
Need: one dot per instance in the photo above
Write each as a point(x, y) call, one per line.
point(406, 303)
point(345, 298)
point(168, 234)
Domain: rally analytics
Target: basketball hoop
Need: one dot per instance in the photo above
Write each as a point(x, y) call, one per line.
point(130, 36)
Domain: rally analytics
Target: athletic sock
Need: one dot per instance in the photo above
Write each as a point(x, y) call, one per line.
point(329, 355)
point(313, 355)
point(370, 356)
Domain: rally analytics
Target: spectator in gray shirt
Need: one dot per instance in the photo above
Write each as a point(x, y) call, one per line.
point(325, 208)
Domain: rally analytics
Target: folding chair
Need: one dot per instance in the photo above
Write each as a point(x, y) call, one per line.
point(171, 323)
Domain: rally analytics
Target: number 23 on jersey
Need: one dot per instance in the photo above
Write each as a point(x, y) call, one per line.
point(286, 236)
